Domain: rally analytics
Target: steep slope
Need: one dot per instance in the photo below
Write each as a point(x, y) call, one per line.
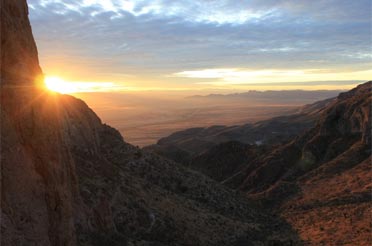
point(68, 179)
point(333, 204)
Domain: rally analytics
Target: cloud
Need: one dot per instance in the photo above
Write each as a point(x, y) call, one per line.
point(225, 11)
point(220, 12)
point(235, 76)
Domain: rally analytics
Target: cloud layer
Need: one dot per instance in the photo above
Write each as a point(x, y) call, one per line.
point(148, 41)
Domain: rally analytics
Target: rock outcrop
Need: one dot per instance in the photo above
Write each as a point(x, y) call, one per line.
point(69, 179)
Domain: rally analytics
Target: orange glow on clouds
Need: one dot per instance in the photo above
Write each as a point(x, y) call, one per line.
point(236, 76)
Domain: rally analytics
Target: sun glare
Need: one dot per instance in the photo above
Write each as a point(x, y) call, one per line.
point(57, 84)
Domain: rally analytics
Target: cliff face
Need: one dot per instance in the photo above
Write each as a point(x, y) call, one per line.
point(68, 179)
point(19, 58)
point(35, 166)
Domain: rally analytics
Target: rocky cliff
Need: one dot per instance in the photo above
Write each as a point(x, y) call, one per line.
point(69, 179)
point(19, 58)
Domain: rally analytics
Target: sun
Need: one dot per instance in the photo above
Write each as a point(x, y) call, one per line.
point(57, 84)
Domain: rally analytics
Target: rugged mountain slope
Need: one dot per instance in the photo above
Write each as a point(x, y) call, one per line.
point(344, 127)
point(68, 179)
point(320, 181)
point(185, 145)
point(333, 174)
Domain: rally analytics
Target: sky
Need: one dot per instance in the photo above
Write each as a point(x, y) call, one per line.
point(204, 44)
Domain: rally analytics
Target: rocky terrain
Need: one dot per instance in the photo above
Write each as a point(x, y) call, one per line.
point(332, 174)
point(69, 179)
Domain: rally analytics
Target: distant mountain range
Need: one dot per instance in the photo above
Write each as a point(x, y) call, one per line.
point(276, 97)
